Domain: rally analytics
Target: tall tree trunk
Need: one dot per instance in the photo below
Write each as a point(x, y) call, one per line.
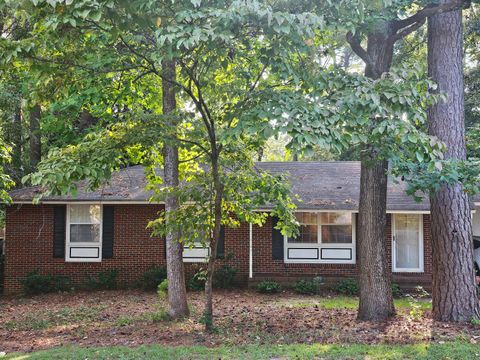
point(17, 146)
point(376, 300)
point(454, 294)
point(217, 212)
point(35, 137)
point(177, 295)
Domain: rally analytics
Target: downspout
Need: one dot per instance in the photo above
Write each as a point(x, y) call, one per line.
point(250, 252)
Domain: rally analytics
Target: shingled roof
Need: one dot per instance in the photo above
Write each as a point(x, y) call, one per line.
point(327, 185)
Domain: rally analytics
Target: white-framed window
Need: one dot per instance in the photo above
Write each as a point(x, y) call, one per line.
point(325, 237)
point(197, 253)
point(407, 243)
point(84, 233)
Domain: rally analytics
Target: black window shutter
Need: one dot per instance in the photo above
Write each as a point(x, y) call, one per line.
point(107, 232)
point(277, 241)
point(165, 247)
point(59, 230)
point(221, 244)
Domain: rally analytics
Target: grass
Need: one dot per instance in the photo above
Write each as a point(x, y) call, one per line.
point(47, 319)
point(451, 350)
point(348, 302)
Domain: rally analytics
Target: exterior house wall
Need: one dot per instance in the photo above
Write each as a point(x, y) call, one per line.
point(29, 247)
point(266, 268)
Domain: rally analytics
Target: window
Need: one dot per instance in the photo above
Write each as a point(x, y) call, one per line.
point(198, 252)
point(407, 243)
point(308, 229)
point(327, 237)
point(84, 232)
point(336, 228)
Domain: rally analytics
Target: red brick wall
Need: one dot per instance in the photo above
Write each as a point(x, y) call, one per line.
point(29, 247)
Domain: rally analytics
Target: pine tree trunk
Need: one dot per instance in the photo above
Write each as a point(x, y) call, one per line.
point(177, 295)
point(35, 137)
point(454, 294)
point(376, 300)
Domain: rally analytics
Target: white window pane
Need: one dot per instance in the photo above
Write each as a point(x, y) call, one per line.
point(407, 241)
point(336, 234)
point(86, 214)
point(85, 233)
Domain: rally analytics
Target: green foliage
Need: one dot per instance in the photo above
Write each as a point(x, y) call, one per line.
point(224, 277)
point(153, 277)
point(268, 287)
point(416, 312)
point(197, 281)
point(396, 290)
point(162, 289)
point(103, 281)
point(35, 283)
point(346, 287)
point(308, 286)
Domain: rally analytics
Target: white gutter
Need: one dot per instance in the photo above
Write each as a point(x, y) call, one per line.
point(250, 252)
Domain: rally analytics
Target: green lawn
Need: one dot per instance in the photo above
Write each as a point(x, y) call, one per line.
point(452, 350)
point(348, 302)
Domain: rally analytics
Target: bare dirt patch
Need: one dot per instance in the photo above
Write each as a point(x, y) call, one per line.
point(132, 318)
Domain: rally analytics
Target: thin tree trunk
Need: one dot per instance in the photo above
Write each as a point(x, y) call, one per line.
point(454, 294)
point(177, 295)
point(218, 186)
point(376, 300)
point(17, 142)
point(35, 137)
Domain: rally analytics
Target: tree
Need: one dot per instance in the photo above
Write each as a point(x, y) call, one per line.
point(35, 136)
point(225, 55)
point(177, 294)
point(376, 302)
point(454, 293)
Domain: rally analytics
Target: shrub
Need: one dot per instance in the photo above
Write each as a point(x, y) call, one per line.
point(346, 287)
point(308, 286)
point(104, 281)
point(162, 289)
point(34, 283)
point(269, 287)
point(197, 281)
point(396, 291)
point(153, 277)
point(223, 278)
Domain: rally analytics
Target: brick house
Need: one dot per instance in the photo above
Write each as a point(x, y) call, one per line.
point(106, 229)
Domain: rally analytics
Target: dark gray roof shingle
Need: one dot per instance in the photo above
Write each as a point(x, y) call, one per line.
point(327, 185)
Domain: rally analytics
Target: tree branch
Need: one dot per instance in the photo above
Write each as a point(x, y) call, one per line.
point(407, 30)
point(430, 10)
point(358, 49)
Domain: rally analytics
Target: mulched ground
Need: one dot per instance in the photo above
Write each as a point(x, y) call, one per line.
point(242, 317)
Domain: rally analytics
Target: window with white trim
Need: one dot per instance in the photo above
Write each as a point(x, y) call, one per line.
point(407, 239)
point(84, 233)
point(327, 237)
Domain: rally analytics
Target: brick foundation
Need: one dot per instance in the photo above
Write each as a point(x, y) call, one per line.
point(29, 247)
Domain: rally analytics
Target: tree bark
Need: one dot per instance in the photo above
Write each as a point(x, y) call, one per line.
point(17, 147)
point(177, 295)
point(35, 137)
point(376, 300)
point(454, 294)
point(217, 212)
